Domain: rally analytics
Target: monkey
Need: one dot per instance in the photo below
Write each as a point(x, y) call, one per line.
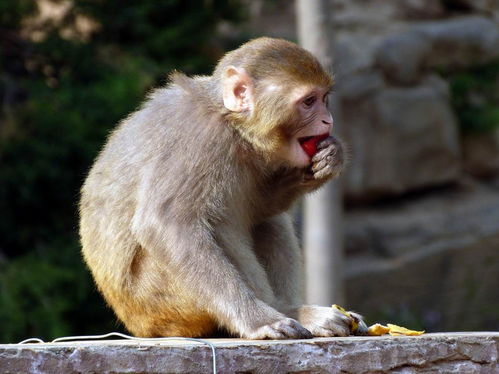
point(184, 215)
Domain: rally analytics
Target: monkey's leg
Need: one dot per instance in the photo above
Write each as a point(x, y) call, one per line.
point(277, 248)
point(214, 281)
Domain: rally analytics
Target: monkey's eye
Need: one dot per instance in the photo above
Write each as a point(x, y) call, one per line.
point(309, 101)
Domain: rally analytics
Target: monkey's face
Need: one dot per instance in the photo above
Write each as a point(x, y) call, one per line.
point(283, 117)
point(312, 122)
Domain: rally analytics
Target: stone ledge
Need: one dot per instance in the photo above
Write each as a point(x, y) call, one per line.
point(475, 352)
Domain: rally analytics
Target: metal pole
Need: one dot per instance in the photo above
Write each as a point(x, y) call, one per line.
point(322, 230)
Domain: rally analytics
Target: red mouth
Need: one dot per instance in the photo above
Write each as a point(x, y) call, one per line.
point(309, 143)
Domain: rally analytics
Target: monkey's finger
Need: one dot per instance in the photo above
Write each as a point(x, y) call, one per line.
point(288, 331)
point(328, 151)
point(321, 164)
point(361, 325)
point(324, 172)
point(301, 332)
point(338, 328)
point(326, 332)
point(326, 142)
point(322, 332)
point(284, 329)
point(272, 333)
point(264, 332)
point(339, 319)
point(293, 329)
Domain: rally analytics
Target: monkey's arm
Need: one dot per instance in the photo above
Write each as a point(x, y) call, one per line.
point(277, 248)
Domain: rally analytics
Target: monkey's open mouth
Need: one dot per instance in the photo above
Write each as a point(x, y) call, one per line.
point(309, 143)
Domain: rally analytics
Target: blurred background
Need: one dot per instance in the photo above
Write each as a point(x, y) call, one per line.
point(418, 92)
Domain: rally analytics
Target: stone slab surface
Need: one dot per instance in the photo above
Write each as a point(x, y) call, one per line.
point(430, 353)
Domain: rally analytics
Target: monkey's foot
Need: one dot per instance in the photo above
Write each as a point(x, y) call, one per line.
point(286, 328)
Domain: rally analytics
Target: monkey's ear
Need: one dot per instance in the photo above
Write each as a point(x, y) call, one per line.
point(237, 90)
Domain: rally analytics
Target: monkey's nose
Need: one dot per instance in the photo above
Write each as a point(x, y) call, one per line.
point(328, 120)
point(328, 123)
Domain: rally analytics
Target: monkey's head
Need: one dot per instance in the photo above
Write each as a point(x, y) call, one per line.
point(275, 93)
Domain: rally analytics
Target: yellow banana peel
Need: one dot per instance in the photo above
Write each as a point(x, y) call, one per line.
point(378, 329)
point(399, 330)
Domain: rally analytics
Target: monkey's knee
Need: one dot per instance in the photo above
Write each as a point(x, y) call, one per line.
point(166, 323)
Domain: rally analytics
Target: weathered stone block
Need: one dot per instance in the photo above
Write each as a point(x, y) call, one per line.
point(430, 353)
point(400, 139)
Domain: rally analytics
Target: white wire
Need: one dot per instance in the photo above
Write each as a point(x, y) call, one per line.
point(97, 337)
point(31, 340)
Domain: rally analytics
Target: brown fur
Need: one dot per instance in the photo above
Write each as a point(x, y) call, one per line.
point(183, 214)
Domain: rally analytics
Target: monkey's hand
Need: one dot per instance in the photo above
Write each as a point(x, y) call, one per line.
point(328, 161)
point(326, 321)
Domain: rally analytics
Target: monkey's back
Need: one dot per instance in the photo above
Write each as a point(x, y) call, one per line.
point(165, 139)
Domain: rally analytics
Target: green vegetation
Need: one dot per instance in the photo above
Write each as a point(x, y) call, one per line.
point(475, 97)
point(60, 94)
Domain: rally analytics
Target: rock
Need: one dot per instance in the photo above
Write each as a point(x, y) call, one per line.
point(402, 57)
point(460, 42)
point(355, 52)
point(377, 14)
point(485, 6)
point(419, 9)
point(481, 154)
point(429, 353)
point(450, 43)
point(400, 139)
point(359, 14)
point(275, 19)
point(357, 86)
point(433, 259)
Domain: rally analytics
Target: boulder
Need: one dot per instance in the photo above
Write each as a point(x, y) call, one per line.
point(401, 57)
point(453, 43)
point(460, 42)
point(399, 139)
point(485, 6)
point(432, 259)
point(377, 14)
point(360, 85)
point(419, 9)
point(355, 52)
point(361, 15)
